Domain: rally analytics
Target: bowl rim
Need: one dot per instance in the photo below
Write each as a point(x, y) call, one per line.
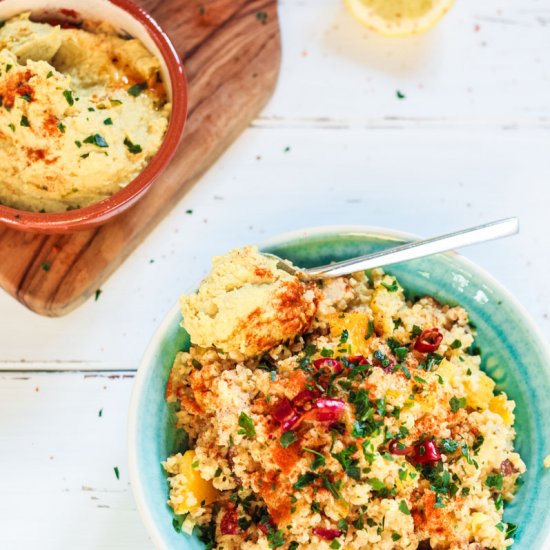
point(102, 211)
point(283, 238)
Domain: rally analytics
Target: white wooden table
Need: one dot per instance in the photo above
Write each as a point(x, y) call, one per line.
point(469, 142)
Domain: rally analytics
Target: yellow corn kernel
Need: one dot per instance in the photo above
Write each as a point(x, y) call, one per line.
point(447, 371)
point(504, 408)
point(357, 325)
point(479, 523)
point(479, 390)
point(189, 489)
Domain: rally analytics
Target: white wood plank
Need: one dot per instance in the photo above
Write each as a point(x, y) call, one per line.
point(59, 489)
point(423, 180)
point(486, 60)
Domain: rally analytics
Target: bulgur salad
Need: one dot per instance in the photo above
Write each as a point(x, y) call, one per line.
point(335, 415)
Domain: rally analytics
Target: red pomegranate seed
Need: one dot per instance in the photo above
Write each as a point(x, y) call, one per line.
point(283, 411)
point(428, 341)
point(327, 534)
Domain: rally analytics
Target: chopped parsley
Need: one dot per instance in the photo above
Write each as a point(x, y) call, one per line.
point(69, 97)
point(332, 486)
point(50, 74)
point(96, 139)
point(377, 484)
point(26, 97)
point(136, 89)
point(45, 266)
point(177, 522)
point(12, 126)
point(134, 148)
point(108, 122)
point(448, 445)
point(349, 464)
point(456, 403)
point(288, 438)
point(365, 425)
point(25, 122)
point(117, 472)
point(511, 530)
point(393, 287)
point(344, 336)
point(456, 344)
point(247, 426)
point(404, 508)
point(401, 352)
point(495, 481)
point(319, 459)
point(61, 127)
point(370, 329)
point(305, 480)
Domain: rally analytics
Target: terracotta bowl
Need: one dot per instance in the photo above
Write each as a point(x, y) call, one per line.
point(129, 18)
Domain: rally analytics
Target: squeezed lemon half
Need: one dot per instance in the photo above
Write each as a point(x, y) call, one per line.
point(399, 17)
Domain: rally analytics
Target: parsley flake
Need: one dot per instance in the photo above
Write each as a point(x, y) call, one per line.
point(288, 438)
point(136, 89)
point(247, 426)
point(96, 139)
point(134, 148)
point(69, 97)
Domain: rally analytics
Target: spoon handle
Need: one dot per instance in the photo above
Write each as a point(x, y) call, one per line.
point(418, 249)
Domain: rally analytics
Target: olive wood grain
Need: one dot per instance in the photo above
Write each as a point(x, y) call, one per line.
point(231, 51)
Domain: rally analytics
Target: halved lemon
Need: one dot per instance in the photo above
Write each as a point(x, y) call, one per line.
point(399, 17)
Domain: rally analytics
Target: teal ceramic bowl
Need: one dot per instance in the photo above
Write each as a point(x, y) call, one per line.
point(514, 354)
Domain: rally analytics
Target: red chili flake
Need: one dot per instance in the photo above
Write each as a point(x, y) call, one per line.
point(229, 525)
point(426, 453)
point(428, 341)
point(395, 449)
point(325, 410)
point(327, 534)
point(283, 411)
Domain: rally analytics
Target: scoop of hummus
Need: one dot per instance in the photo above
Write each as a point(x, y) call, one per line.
point(82, 112)
point(247, 305)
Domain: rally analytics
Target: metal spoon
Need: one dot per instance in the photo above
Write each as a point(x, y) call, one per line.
point(405, 252)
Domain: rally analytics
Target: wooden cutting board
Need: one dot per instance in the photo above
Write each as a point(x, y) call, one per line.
point(231, 52)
